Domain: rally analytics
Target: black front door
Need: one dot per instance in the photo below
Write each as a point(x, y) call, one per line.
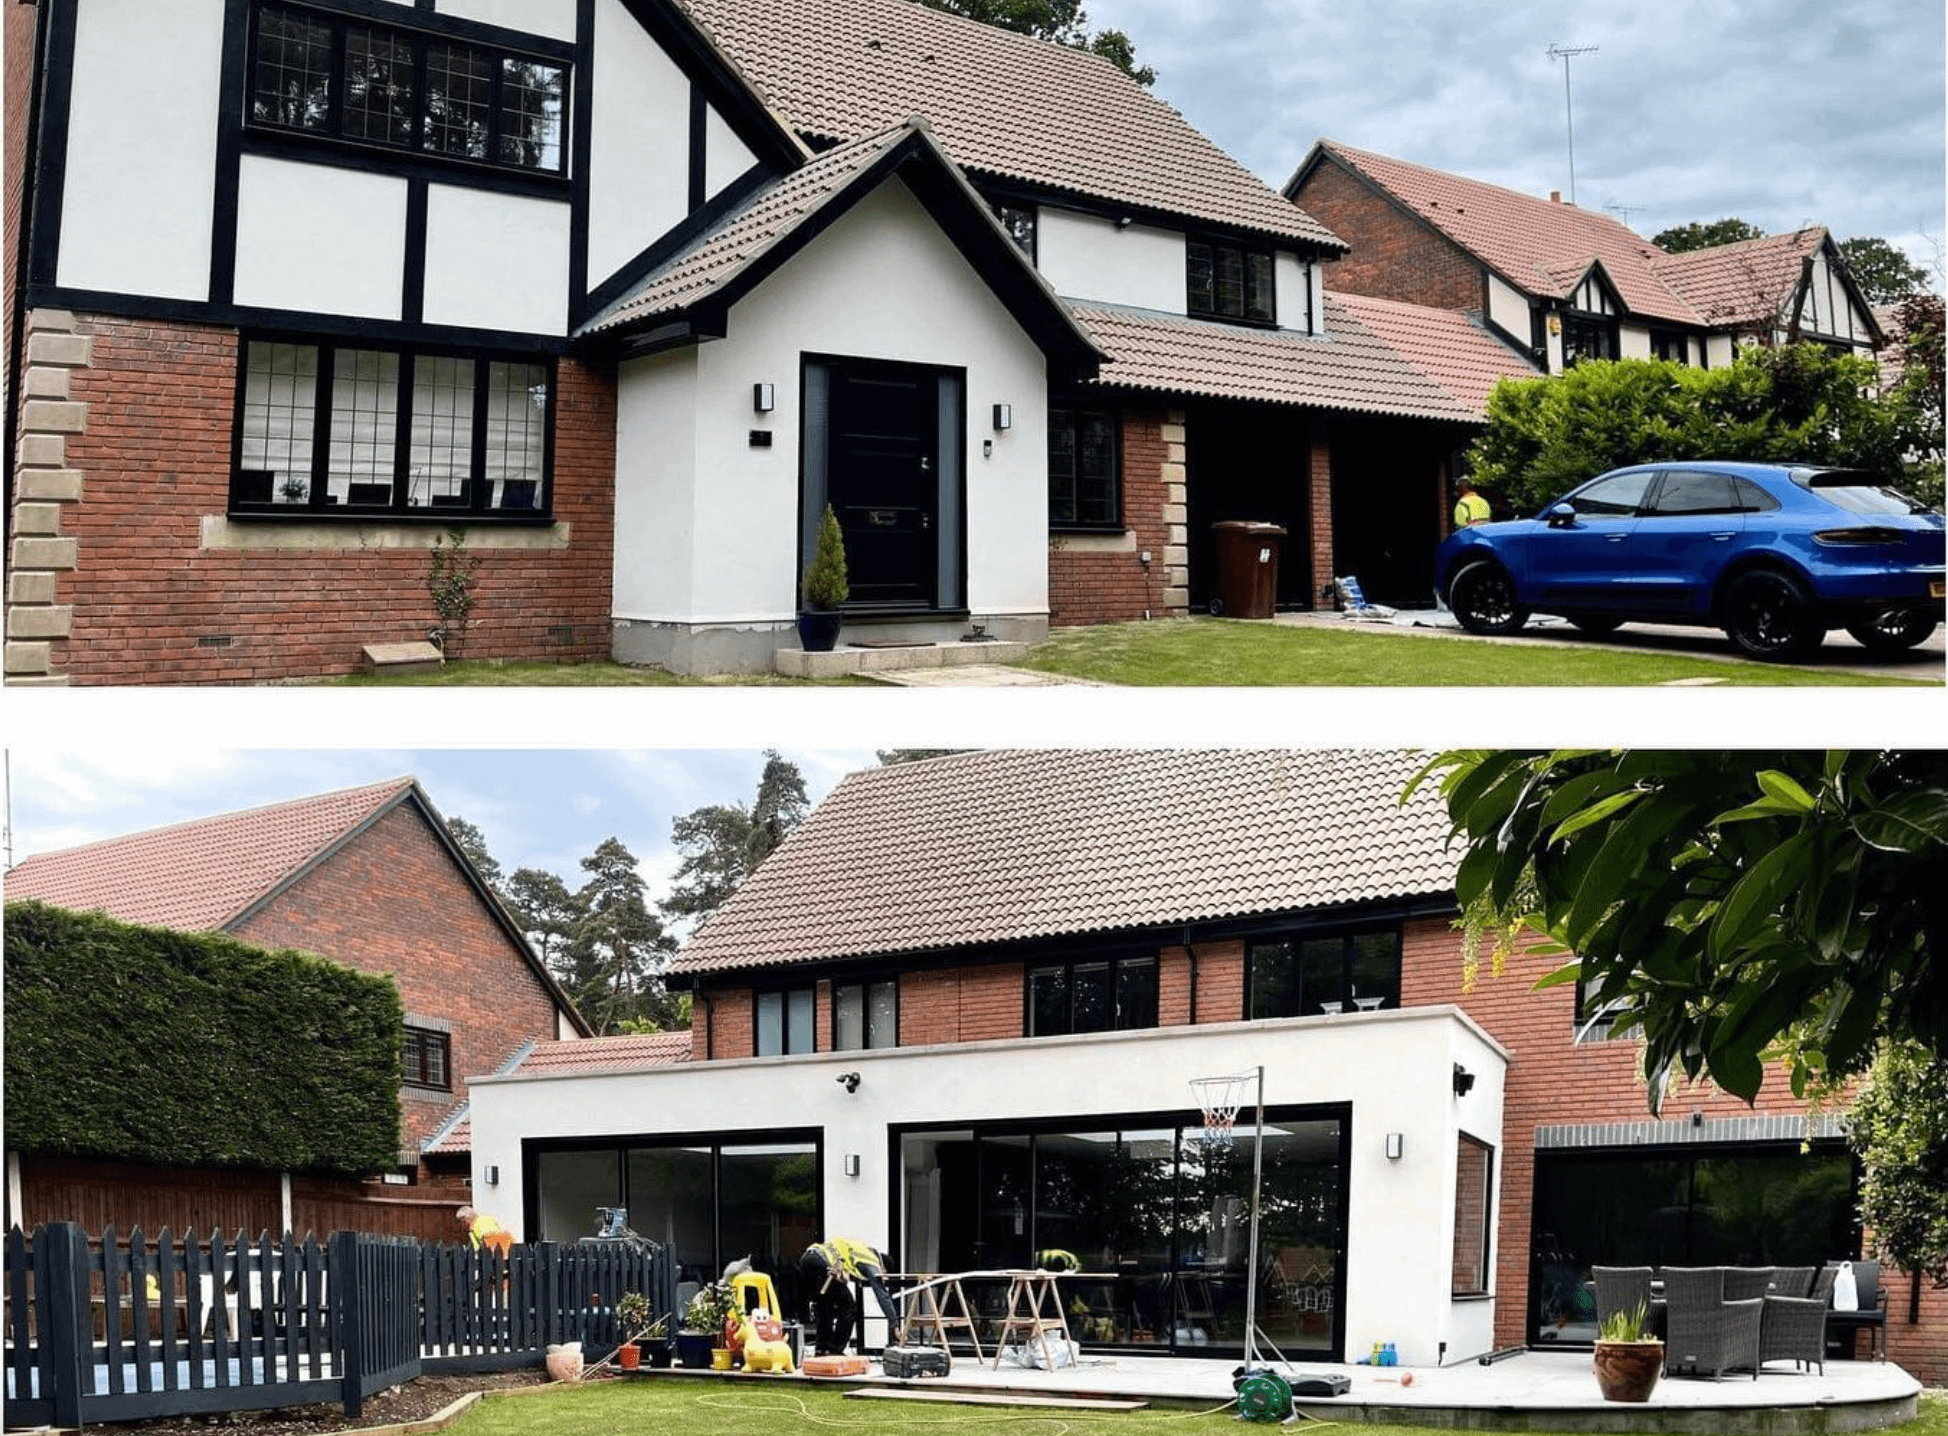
point(883, 479)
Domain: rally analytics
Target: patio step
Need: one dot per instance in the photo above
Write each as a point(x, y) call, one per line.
point(848, 659)
point(979, 1398)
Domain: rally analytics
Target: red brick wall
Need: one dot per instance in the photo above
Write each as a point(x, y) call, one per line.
point(1394, 255)
point(18, 42)
point(1221, 981)
point(1086, 585)
point(151, 604)
point(393, 901)
point(1319, 485)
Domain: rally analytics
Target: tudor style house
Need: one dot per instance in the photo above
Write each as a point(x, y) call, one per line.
point(617, 296)
point(1562, 283)
point(958, 1012)
point(369, 877)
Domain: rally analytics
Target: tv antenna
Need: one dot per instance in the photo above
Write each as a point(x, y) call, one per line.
point(1565, 53)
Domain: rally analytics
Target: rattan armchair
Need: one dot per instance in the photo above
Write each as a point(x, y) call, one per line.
point(1625, 1288)
point(1705, 1333)
point(1794, 1328)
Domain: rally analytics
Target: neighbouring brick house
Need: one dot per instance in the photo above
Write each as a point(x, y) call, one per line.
point(368, 877)
point(1561, 283)
point(408, 270)
point(957, 1012)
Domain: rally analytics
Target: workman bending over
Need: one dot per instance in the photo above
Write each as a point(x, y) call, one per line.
point(478, 1224)
point(829, 1269)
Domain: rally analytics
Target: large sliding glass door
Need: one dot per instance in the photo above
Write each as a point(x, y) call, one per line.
point(1159, 1227)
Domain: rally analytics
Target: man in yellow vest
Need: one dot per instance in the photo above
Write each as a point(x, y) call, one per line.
point(829, 1268)
point(478, 1224)
point(1470, 508)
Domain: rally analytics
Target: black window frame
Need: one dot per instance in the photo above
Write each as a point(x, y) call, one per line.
point(1671, 345)
point(1486, 1235)
point(1117, 967)
point(253, 497)
point(1588, 337)
point(333, 130)
point(865, 987)
point(1348, 935)
point(1022, 223)
point(426, 1059)
point(785, 997)
point(1212, 305)
point(1069, 516)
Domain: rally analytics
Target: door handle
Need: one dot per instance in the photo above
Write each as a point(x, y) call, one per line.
point(926, 466)
point(1721, 538)
point(1616, 538)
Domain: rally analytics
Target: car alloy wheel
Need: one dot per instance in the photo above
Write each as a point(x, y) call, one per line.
point(1894, 631)
point(1767, 616)
point(1482, 596)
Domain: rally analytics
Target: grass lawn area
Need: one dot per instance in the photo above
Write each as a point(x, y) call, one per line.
point(687, 1407)
point(462, 674)
point(1202, 652)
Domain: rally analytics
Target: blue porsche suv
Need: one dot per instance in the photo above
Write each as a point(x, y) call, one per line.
point(1774, 554)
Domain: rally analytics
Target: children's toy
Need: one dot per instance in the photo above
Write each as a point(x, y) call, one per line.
point(836, 1366)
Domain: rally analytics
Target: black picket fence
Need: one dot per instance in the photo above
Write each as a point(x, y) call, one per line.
point(120, 1330)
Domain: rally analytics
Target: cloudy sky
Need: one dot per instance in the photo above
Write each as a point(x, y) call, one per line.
point(544, 808)
point(1779, 112)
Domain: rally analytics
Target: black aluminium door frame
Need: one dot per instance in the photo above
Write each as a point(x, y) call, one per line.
point(949, 448)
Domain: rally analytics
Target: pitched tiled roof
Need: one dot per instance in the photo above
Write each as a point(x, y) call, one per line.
point(1450, 346)
point(1348, 367)
point(1744, 283)
point(995, 847)
point(1003, 105)
point(607, 1054)
point(1542, 247)
point(201, 875)
point(741, 237)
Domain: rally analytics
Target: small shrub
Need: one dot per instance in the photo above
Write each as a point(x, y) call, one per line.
point(450, 582)
point(825, 579)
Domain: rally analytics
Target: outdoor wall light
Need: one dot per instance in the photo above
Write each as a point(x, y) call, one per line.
point(1396, 1144)
point(1004, 417)
point(849, 1081)
point(493, 1175)
point(764, 397)
point(1697, 1116)
point(1464, 1080)
point(852, 1164)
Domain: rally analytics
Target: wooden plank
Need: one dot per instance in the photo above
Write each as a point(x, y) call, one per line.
point(981, 1398)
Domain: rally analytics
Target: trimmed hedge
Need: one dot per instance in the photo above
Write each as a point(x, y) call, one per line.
point(167, 1047)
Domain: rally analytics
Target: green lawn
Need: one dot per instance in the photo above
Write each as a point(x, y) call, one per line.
point(462, 674)
point(689, 1407)
point(1235, 653)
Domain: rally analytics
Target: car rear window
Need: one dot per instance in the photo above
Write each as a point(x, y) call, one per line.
point(1856, 492)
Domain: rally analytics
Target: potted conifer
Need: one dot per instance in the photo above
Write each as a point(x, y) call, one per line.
point(824, 588)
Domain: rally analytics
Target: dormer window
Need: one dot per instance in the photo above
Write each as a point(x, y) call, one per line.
point(1228, 281)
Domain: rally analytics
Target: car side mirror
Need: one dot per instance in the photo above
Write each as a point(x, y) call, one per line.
point(1562, 515)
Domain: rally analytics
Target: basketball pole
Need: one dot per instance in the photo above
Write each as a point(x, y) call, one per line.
point(1251, 1271)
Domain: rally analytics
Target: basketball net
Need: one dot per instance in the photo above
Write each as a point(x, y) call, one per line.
point(1219, 1097)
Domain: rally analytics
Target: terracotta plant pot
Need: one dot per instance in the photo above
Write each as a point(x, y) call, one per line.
point(629, 1356)
point(1628, 1370)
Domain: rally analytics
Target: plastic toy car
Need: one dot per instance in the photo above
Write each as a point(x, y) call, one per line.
point(1774, 554)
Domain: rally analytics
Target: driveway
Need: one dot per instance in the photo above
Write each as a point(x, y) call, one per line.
point(1928, 661)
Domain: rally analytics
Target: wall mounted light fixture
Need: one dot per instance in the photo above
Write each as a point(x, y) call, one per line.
point(764, 397)
point(852, 1164)
point(1396, 1144)
point(849, 1081)
point(1464, 1080)
point(1004, 417)
point(493, 1175)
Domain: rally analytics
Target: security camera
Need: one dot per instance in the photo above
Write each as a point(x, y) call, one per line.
point(849, 1081)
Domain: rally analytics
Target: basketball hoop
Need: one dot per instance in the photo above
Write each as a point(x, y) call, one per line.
point(1220, 1098)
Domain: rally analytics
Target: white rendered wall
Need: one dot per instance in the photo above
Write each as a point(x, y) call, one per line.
point(322, 239)
point(140, 179)
point(1085, 256)
point(639, 146)
point(1508, 307)
point(882, 283)
point(1633, 342)
point(553, 18)
point(725, 156)
point(1300, 304)
point(496, 261)
point(1720, 350)
point(656, 485)
point(1393, 1067)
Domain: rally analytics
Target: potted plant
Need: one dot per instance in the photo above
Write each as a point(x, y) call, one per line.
point(824, 588)
point(1628, 1359)
point(635, 1330)
point(702, 1328)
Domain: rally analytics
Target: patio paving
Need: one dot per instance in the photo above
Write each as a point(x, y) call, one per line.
point(1537, 1390)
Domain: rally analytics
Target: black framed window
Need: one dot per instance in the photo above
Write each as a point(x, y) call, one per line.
point(1670, 344)
point(426, 1059)
point(1019, 221)
point(1587, 336)
point(1229, 281)
point(1474, 1176)
point(348, 429)
point(321, 73)
point(1108, 995)
point(1350, 971)
point(865, 1014)
point(1084, 487)
point(784, 1022)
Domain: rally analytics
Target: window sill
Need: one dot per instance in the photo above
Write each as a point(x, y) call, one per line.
point(363, 532)
point(1471, 1296)
point(1235, 321)
point(1116, 527)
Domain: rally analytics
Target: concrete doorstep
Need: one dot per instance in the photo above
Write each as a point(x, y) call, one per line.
point(849, 659)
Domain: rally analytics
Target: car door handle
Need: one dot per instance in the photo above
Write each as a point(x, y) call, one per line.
point(1616, 538)
point(1728, 534)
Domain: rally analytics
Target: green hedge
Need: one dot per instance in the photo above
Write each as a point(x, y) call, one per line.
point(155, 1046)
